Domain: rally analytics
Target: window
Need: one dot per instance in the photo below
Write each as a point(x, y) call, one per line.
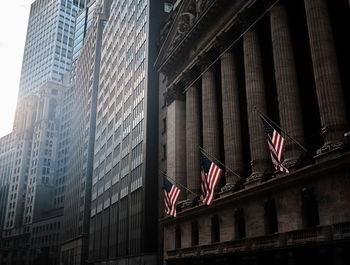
point(164, 125)
point(239, 223)
point(164, 152)
point(271, 224)
point(177, 237)
point(164, 101)
point(309, 208)
point(195, 234)
point(215, 229)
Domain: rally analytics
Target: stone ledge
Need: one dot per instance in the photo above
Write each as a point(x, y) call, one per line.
point(308, 236)
point(334, 163)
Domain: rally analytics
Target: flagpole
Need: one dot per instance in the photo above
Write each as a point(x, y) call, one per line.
point(222, 164)
point(179, 183)
point(268, 120)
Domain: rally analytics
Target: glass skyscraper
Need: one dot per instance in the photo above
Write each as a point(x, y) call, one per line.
point(85, 76)
point(124, 215)
point(49, 43)
point(41, 135)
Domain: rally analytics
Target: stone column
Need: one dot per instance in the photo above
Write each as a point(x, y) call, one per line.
point(210, 121)
point(231, 114)
point(286, 83)
point(255, 93)
point(193, 138)
point(176, 137)
point(326, 74)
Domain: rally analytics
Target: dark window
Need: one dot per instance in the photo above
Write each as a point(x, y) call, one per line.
point(164, 151)
point(177, 237)
point(164, 100)
point(271, 224)
point(215, 229)
point(239, 223)
point(195, 234)
point(309, 208)
point(164, 125)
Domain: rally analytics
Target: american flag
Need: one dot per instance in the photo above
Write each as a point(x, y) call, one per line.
point(276, 145)
point(171, 195)
point(210, 177)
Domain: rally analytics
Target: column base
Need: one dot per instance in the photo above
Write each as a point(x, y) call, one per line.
point(289, 163)
point(228, 187)
point(332, 154)
point(188, 203)
point(254, 179)
point(305, 159)
point(330, 146)
point(233, 186)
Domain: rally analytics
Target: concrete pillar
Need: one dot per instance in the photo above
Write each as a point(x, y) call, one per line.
point(231, 115)
point(326, 74)
point(209, 108)
point(255, 93)
point(286, 83)
point(193, 139)
point(176, 137)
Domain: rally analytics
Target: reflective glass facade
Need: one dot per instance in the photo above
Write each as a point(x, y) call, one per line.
point(83, 22)
point(49, 43)
point(125, 174)
point(82, 123)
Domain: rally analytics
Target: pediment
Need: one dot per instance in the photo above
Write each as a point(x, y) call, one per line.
point(179, 24)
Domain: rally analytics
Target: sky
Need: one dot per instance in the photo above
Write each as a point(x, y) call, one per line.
point(13, 27)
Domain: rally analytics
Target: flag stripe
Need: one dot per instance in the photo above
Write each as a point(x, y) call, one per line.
point(210, 177)
point(171, 195)
point(276, 145)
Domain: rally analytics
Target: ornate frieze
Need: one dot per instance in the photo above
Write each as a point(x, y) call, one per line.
point(191, 32)
point(190, 12)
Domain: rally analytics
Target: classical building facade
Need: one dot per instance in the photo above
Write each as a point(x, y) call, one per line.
point(221, 63)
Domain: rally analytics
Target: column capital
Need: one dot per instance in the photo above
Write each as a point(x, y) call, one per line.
point(222, 42)
point(205, 60)
point(189, 76)
point(174, 92)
